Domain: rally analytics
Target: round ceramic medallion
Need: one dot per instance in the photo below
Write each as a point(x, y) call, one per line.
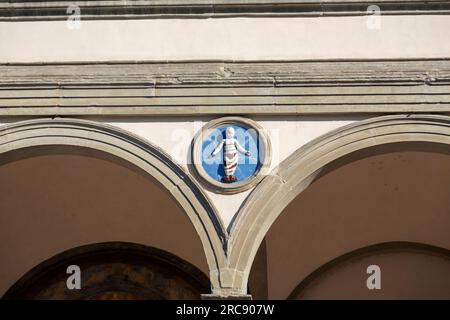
point(231, 154)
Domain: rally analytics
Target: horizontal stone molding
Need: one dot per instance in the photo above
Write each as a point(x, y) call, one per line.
point(149, 158)
point(225, 88)
point(15, 10)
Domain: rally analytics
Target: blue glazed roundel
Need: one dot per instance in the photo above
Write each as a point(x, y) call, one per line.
point(230, 153)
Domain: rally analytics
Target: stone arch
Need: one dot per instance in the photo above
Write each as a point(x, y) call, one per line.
point(294, 175)
point(139, 153)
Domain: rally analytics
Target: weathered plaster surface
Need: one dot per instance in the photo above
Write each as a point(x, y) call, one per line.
point(226, 39)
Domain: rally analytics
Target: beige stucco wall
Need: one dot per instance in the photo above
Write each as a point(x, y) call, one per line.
point(405, 274)
point(226, 39)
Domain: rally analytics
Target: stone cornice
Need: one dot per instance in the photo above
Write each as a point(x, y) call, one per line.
point(225, 88)
point(15, 10)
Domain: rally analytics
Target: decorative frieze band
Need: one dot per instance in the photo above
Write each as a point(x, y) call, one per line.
point(216, 88)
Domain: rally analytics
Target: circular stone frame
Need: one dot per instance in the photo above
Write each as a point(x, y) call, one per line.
point(232, 188)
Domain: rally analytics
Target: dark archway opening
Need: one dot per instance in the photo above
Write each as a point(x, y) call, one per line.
point(113, 271)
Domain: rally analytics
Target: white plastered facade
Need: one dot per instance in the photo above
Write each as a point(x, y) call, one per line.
point(232, 39)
